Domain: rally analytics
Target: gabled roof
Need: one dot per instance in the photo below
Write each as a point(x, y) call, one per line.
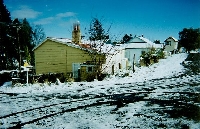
point(59, 40)
point(175, 40)
point(64, 41)
point(67, 42)
point(141, 42)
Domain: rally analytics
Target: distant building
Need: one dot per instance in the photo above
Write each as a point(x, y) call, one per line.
point(76, 33)
point(171, 45)
point(136, 46)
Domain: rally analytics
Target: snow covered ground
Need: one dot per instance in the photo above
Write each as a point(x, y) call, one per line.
point(159, 96)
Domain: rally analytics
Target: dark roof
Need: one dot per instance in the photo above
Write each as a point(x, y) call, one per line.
point(175, 40)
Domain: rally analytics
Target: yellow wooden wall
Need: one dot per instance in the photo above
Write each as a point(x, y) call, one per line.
point(75, 55)
point(50, 57)
point(58, 58)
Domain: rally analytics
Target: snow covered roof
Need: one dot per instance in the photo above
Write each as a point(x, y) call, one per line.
point(64, 41)
point(85, 45)
point(59, 40)
point(175, 40)
point(141, 42)
point(102, 47)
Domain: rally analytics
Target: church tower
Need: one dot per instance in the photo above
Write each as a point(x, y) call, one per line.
point(76, 33)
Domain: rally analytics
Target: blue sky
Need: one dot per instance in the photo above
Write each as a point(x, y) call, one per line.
point(155, 19)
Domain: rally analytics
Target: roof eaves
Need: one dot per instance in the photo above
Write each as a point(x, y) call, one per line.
point(70, 44)
point(40, 44)
point(175, 40)
point(145, 40)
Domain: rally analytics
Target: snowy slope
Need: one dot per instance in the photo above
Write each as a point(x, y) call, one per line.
point(165, 68)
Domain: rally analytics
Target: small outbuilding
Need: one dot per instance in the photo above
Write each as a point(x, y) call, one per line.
point(171, 45)
point(57, 55)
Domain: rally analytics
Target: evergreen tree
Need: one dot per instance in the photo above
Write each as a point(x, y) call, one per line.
point(157, 41)
point(17, 39)
point(23, 43)
point(189, 38)
point(26, 41)
point(5, 20)
point(96, 32)
point(14, 49)
point(98, 37)
point(126, 38)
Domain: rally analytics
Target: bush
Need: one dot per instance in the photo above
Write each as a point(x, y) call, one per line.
point(51, 77)
point(152, 56)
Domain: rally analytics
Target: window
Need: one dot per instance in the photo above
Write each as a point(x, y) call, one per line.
point(89, 69)
point(168, 43)
point(143, 52)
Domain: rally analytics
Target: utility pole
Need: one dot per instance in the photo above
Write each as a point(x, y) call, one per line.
point(19, 51)
point(19, 48)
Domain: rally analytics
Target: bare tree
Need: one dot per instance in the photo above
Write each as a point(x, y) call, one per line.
point(38, 34)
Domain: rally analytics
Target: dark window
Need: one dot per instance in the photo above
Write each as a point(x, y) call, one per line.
point(120, 66)
point(143, 52)
point(89, 69)
point(168, 43)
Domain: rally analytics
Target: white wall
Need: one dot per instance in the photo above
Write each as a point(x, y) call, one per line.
point(129, 54)
point(113, 60)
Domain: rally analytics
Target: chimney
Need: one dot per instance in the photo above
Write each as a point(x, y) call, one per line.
point(76, 33)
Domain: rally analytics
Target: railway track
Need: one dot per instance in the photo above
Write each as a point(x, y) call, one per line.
point(32, 115)
point(29, 116)
point(20, 118)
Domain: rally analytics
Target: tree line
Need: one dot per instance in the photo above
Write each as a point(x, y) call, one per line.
point(17, 39)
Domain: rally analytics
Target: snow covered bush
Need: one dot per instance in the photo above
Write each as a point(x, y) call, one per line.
point(151, 56)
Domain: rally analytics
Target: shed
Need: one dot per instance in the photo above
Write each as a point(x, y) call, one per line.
point(56, 55)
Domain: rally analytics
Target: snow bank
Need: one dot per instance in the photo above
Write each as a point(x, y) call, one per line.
point(164, 68)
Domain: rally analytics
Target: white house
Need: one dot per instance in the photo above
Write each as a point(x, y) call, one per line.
point(171, 45)
point(116, 62)
point(136, 46)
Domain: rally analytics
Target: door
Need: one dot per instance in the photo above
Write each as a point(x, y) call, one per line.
point(75, 69)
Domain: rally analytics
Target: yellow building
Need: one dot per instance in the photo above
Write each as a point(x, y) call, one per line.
point(58, 55)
